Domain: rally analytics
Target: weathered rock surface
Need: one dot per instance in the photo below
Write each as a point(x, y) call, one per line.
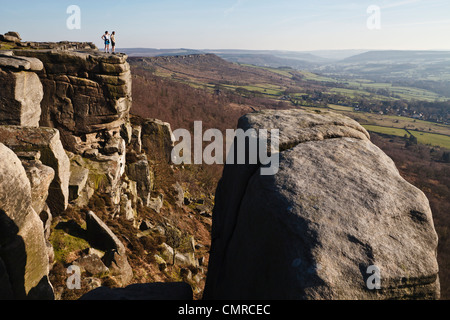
point(115, 257)
point(87, 97)
point(10, 37)
point(150, 291)
point(135, 141)
point(157, 203)
point(126, 208)
point(181, 259)
point(40, 177)
point(62, 45)
point(21, 91)
point(78, 179)
point(47, 142)
point(13, 34)
point(140, 172)
point(178, 193)
point(128, 202)
point(46, 218)
point(24, 261)
point(10, 62)
point(104, 176)
point(337, 206)
point(84, 91)
point(156, 137)
point(92, 264)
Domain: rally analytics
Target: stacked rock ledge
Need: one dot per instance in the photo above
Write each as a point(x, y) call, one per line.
point(65, 132)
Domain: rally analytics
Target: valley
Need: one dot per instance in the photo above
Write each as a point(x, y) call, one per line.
point(382, 107)
point(181, 90)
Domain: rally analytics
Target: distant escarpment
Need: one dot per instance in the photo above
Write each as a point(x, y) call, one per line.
point(336, 222)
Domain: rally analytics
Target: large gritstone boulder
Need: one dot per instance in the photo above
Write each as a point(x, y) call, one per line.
point(47, 142)
point(21, 91)
point(336, 222)
point(24, 261)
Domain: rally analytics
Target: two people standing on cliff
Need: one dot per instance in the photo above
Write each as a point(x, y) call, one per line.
point(110, 39)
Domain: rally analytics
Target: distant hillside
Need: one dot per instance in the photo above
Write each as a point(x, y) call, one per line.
point(208, 68)
point(266, 60)
point(428, 70)
point(263, 58)
point(289, 55)
point(384, 66)
point(295, 55)
point(399, 57)
point(149, 52)
point(335, 55)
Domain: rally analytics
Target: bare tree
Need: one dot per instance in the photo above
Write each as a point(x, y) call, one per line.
point(173, 239)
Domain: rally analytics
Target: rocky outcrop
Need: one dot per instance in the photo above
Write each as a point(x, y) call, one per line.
point(21, 91)
point(336, 209)
point(115, 257)
point(78, 179)
point(140, 172)
point(181, 259)
point(156, 137)
point(84, 92)
point(47, 142)
point(14, 41)
point(105, 174)
point(24, 261)
point(151, 141)
point(92, 264)
point(40, 177)
point(10, 36)
point(64, 112)
point(87, 97)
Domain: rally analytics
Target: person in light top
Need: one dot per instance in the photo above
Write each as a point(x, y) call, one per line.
point(113, 42)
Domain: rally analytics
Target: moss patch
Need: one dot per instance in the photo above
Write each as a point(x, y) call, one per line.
point(65, 245)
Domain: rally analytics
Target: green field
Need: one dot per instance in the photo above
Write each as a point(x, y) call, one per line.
point(422, 137)
point(386, 130)
point(400, 123)
point(352, 93)
point(407, 93)
point(316, 77)
point(340, 108)
point(265, 89)
point(432, 139)
point(280, 71)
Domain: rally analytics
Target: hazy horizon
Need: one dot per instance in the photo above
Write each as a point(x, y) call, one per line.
point(284, 25)
point(303, 51)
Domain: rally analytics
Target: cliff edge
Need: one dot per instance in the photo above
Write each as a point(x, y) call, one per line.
point(68, 146)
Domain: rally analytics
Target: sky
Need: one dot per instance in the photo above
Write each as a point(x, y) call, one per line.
point(293, 25)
